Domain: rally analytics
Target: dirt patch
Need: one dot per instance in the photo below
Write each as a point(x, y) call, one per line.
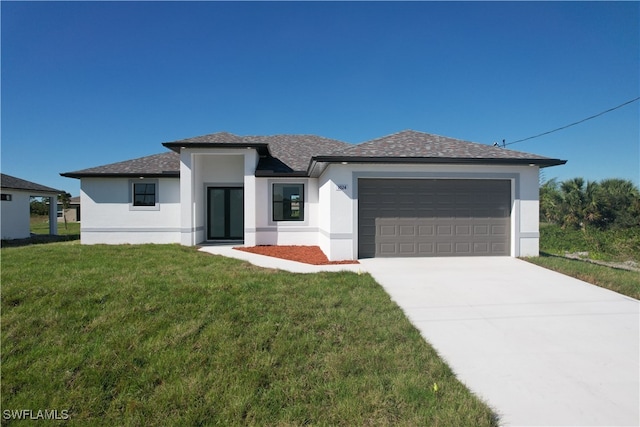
point(307, 254)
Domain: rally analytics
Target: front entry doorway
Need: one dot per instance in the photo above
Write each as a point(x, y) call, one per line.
point(225, 213)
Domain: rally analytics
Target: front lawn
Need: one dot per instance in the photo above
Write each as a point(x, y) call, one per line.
point(166, 335)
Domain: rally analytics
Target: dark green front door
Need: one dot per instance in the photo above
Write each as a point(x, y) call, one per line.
point(225, 213)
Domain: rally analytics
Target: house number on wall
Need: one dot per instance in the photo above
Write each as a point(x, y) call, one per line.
point(342, 187)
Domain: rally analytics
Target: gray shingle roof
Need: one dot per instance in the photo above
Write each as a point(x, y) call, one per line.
point(163, 164)
point(410, 143)
point(213, 138)
point(293, 154)
point(11, 182)
point(296, 151)
point(287, 153)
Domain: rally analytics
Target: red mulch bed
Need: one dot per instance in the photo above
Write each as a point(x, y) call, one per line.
point(307, 254)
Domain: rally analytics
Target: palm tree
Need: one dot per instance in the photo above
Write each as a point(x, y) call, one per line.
point(550, 201)
point(620, 200)
point(574, 198)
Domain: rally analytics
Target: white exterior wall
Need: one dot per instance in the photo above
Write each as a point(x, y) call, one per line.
point(338, 213)
point(529, 224)
point(330, 204)
point(338, 228)
point(108, 217)
point(15, 215)
point(269, 232)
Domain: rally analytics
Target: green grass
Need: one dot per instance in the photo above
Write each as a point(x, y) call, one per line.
point(40, 225)
point(606, 245)
point(166, 335)
point(621, 281)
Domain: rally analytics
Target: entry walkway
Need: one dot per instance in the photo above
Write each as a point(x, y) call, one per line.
point(280, 264)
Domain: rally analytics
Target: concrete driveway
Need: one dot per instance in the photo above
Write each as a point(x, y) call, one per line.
point(541, 348)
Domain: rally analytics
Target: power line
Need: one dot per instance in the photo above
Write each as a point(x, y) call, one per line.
point(573, 124)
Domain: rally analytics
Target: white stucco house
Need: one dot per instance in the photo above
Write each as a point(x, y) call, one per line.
point(405, 194)
point(15, 206)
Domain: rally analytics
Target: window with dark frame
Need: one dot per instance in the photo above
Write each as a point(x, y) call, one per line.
point(288, 202)
point(5, 197)
point(144, 194)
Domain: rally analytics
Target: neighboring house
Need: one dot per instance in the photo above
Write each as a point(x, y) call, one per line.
point(406, 194)
point(16, 196)
point(72, 213)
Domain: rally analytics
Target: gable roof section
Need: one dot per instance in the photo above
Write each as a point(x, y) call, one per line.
point(13, 183)
point(418, 147)
point(157, 165)
point(294, 152)
point(217, 140)
point(279, 154)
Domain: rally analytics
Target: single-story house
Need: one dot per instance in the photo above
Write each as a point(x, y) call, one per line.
point(72, 212)
point(15, 201)
point(406, 194)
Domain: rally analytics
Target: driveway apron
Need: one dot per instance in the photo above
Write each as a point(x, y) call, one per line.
point(541, 348)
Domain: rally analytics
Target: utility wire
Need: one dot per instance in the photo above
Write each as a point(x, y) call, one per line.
point(573, 124)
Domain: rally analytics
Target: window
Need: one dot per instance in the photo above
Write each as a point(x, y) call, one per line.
point(5, 197)
point(144, 194)
point(288, 202)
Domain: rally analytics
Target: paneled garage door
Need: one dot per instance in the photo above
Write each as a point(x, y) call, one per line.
point(433, 217)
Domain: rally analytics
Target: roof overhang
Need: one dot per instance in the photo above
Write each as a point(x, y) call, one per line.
point(168, 174)
point(262, 149)
point(27, 190)
point(271, 174)
point(318, 163)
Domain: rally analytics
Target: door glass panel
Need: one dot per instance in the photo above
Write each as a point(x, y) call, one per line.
point(236, 213)
point(225, 213)
point(216, 213)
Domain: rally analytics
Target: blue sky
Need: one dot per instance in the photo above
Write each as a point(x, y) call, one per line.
point(86, 83)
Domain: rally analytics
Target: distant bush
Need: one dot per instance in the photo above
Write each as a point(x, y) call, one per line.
point(38, 206)
point(576, 203)
point(615, 244)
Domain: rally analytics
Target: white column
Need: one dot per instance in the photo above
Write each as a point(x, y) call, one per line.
point(187, 221)
point(53, 215)
point(250, 163)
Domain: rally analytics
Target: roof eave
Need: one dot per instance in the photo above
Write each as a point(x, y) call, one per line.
point(177, 146)
point(30, 190)
point(272, 174)
point(545, 162)
point(78, 175)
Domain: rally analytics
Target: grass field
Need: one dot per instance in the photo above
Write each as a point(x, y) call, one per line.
point(40, 225)
point(609, 245)
point(621, 281)
point(166, 335)
point(606, 245)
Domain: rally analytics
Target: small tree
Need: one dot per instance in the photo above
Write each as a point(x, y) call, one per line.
point(620, 203)
point(65, 200)
point(550, 201)
point(38, 206)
